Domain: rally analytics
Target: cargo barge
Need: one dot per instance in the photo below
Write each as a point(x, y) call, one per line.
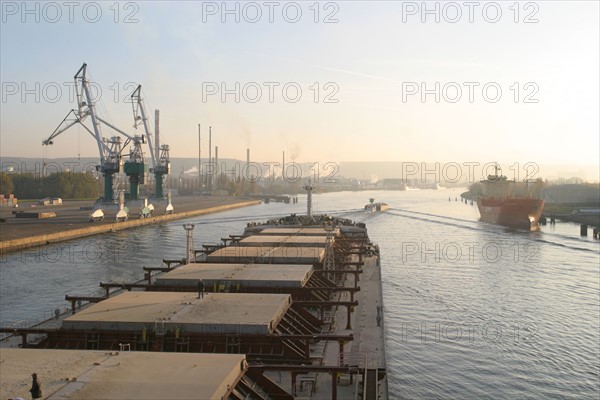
point(506, 202)
point(518, 213)
point(291, 308)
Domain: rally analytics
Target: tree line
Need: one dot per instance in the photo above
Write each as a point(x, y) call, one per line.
point(66, 185)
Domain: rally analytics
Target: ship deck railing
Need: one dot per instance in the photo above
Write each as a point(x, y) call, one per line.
point(361, 360)
point(52, 319)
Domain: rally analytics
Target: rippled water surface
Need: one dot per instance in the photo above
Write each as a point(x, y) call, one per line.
point(471, 310)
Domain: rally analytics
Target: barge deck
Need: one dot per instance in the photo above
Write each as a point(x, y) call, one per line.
point(305, 315)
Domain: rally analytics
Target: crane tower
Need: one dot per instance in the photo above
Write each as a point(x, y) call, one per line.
point(110, 149)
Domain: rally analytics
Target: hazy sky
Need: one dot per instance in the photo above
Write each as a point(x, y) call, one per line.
point(373, 58)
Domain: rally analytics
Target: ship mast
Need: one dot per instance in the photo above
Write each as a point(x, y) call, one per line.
point(190, 255)
point(309, 188)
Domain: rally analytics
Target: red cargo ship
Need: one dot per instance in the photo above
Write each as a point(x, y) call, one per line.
point(506, 202)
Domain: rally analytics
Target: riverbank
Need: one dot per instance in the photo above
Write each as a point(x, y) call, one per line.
point(568, 213)
point(72, 221)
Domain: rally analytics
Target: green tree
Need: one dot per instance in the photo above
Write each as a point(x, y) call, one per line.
point(6, 184)
point(66, 185)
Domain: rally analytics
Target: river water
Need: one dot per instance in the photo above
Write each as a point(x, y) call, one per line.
point(472, 310)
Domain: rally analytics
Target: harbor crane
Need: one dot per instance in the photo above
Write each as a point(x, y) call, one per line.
point(135, 167)
point(161, 162)
point(111, 161)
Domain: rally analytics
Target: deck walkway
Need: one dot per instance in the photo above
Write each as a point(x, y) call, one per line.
point(366, 350)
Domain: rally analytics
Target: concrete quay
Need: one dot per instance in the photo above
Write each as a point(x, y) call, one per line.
point(72, 222)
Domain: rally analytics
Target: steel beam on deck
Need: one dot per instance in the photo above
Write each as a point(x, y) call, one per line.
point(124, 285)
point(307, 368)
point(347, 304)
point(333, 288)
point(232, 238)
point(23, 332)
point(316, 337)
point(356, 273)
point(91, 299)
point(207, 251)
point(171, 261)
point(314, 303)
point(333, 385)
point(128, 286)
point(304, 368)
point(19, 331)
point(294, 375)
point(321, 272)
point(159, 269)
point(356, 263)
point(213, 246)
point(352, 290)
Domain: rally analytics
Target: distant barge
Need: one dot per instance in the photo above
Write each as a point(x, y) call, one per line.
point(376, 207)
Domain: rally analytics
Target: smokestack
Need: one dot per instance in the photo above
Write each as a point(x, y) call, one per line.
point(247, 158)
point(216, 161)
point(283, 166)
point(210, 157)
point(199, 160)
point(216, 155)
point(156, 135)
